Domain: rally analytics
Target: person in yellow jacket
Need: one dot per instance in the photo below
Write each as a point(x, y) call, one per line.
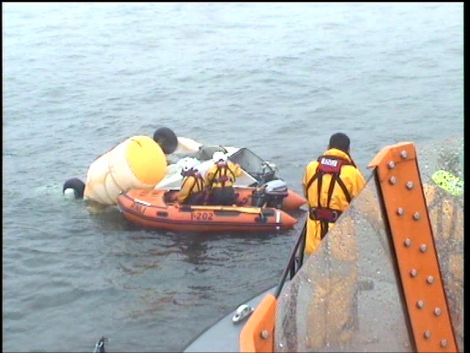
point(220, 178)
point(330, 183)
point(336, 288)
point(192, 186)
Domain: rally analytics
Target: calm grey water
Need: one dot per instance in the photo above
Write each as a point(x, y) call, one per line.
point(278, 78)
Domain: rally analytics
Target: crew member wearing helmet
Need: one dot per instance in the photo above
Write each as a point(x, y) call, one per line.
point(192, 187)
point(220, 179)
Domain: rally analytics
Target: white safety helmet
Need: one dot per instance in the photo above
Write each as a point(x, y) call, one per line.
point(188, 163)
point(219, 157)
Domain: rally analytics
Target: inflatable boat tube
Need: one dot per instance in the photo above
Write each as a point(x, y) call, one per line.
point(153, 209)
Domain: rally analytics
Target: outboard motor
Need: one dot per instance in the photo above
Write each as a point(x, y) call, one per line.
point(268, 172)
point(270, 194)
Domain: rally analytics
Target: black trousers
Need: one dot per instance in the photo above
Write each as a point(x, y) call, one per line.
point(222, 196)
point(196, 198)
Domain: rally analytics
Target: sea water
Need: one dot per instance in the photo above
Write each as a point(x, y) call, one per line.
point(278, 78)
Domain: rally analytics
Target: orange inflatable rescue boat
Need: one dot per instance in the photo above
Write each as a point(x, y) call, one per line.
point(155, 209)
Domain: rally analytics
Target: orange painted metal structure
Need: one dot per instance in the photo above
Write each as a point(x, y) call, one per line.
point(405, 207)
point(258, 333)
point(150, 209)
point(426, 307)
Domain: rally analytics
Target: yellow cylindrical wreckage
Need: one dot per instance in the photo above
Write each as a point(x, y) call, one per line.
point(138, 162)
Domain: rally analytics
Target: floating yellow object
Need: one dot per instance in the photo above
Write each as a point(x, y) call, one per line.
point(448, 182)
point(138, 162)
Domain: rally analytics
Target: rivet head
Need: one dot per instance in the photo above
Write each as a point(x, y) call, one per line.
point(423, 248)
point(413, 272)
point(391, 165)
point(420, 304)
point(400, 211)
point(404, 154)
point(430, 279)
point(407, 242)
point(437, 311)
point(410, 185)
point(416, 216)
point(264, 334)
point(444, 343)
point(392, 180)
point(427, 334)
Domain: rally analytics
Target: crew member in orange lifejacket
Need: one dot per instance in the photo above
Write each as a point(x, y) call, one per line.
point(220, 179)
point(192, 187)
point(330, 183)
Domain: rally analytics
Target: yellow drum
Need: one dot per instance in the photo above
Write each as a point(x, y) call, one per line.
point(138, 162)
